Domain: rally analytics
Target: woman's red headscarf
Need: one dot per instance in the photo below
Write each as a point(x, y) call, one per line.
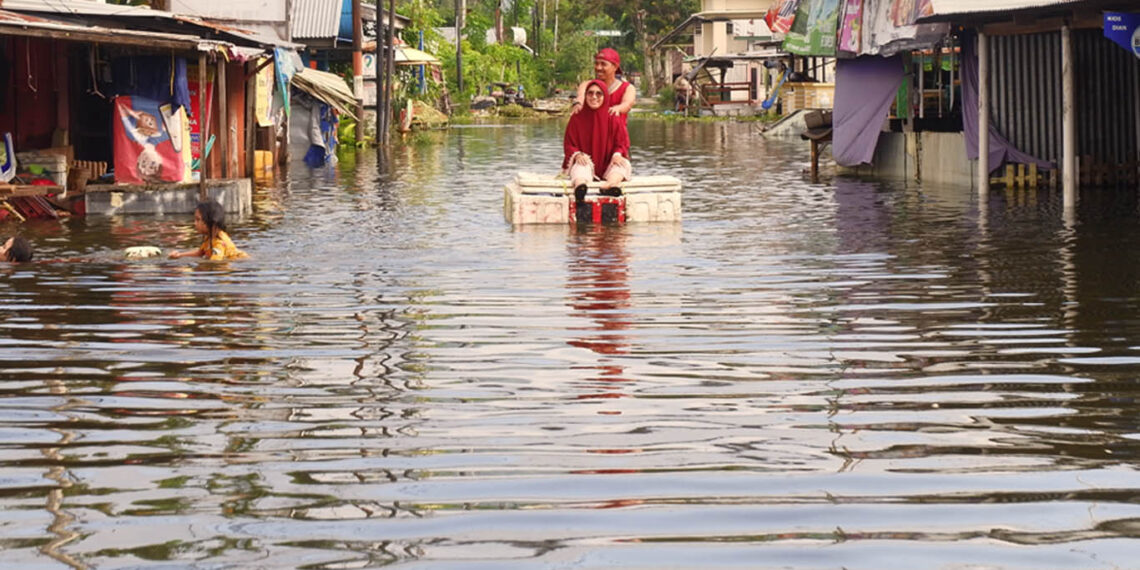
point(596, 133)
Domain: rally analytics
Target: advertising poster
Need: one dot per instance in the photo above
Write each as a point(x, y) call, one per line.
point(907, 12)
point(781, 14)
point(851, 26)
point(150, 141)
point(814, 29)
point(1124, 30)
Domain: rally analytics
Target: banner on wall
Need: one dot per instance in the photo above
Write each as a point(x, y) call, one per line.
point(264, 94)
point(1124, 29)
point(151, 141)
point(814, 30)
point(195, 113)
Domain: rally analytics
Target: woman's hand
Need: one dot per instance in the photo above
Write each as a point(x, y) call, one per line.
point(619, 160)
point(582, 159)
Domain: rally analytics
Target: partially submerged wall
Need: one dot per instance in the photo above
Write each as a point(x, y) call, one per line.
point(236, 196)
point(928, 156)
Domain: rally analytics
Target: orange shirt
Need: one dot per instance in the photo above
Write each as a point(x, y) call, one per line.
point(221, 249)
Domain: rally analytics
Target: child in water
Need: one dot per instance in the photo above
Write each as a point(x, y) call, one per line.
point(16, 249)
point(210, 221)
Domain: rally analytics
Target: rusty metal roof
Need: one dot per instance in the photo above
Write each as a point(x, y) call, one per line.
point(12, 23)
point(73, 11)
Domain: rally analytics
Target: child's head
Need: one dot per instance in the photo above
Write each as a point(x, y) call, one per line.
point(209, 217)
point(16, 249)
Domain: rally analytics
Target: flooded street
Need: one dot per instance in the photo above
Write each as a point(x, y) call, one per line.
point(850, 374)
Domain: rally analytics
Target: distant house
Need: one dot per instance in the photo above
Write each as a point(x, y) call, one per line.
point(726, 53)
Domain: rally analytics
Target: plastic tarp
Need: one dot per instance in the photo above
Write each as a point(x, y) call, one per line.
point(158, 77)
point(865, 87)
point(1001, 150)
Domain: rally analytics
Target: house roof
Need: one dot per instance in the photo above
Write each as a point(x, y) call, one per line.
point(16, 24)
point(711, 16)
point(315, 18)
point(88, 13)
point(321, 19)
point(989, 10)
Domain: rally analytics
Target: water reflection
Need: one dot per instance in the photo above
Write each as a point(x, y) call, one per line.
point(897, 372)
point(598, 285)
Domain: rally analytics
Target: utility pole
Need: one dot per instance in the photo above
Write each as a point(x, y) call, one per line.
point(389, 68)
point(358, 69)
point(381, 79)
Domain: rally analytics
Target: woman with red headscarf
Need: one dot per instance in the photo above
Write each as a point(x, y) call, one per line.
point(596, 145)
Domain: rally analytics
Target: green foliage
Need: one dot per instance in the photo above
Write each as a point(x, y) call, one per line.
point(667, 97)
point(641, 22)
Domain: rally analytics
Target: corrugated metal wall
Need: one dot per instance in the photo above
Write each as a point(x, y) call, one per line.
point(1025, 80)
point(1106, 97)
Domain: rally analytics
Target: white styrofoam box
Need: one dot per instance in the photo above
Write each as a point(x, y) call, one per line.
point(522, 208)
point(543, 199)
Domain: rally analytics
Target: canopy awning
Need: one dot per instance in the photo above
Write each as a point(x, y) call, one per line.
point(412, 56)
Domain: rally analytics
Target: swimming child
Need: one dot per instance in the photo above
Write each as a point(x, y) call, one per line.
point(16, 249)
point(210, 221)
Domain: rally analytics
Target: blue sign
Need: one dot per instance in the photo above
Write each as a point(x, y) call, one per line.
point(1124, 29)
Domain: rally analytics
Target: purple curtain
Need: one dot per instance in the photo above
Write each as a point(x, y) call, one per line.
point(1001, 150)
point(865, 87)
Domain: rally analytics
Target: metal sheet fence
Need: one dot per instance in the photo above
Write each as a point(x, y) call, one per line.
point(1025, 80)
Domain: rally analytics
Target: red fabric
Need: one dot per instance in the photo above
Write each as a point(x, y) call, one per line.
point(596, 133)
point(610, 55)
point(616, 97)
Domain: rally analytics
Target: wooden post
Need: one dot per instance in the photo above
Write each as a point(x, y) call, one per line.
point(983, 114)
point(250, 120)
point(1068, 122)
point(203, 126)
point(223, 119)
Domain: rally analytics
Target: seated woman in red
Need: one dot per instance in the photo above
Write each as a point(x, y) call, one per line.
point(596, 145)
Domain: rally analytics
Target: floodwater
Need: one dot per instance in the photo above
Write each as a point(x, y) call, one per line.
point(847, 374)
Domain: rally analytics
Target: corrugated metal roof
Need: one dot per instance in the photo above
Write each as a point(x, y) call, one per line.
point(315, 19)
point(79, 7)
point(944, 8)
point(106, 12)
point(26, 25)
